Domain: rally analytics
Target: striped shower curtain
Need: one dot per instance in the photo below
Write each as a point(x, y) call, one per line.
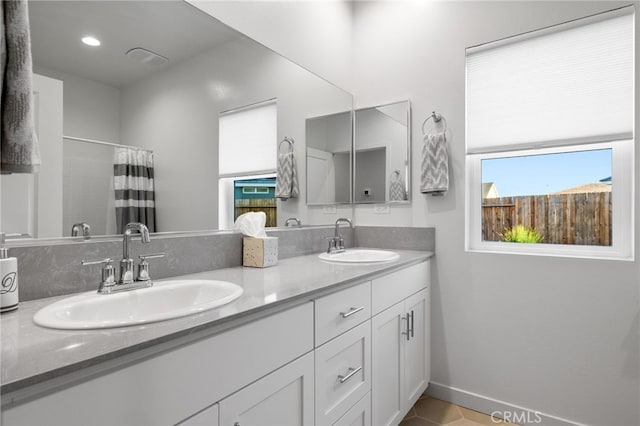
point(133, 184)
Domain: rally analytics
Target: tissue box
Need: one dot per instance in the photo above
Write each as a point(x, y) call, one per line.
point(259, 252)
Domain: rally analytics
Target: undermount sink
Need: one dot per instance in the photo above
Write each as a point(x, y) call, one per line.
point(360, 256)
point(165, 300)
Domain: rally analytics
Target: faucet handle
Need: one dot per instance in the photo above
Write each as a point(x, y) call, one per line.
point(108, 272)
point(144, 257)
point(143, 267)
point(332, 243)
point(106, 261)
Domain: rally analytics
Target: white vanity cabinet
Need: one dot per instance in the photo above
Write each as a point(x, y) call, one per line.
point(355, 356)
point(371, 370)
point(400, 345)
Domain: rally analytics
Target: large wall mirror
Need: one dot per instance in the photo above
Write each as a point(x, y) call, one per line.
point(382, 146)
point(164, 74)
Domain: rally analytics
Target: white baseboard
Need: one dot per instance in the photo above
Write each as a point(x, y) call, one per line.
point(489, 406)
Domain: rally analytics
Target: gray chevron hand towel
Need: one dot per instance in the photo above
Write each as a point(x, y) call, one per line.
point(397, 190)
point(18, 142)
point(287, 177)
point(434, 170)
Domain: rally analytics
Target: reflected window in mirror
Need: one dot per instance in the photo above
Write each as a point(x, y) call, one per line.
point(247, 162)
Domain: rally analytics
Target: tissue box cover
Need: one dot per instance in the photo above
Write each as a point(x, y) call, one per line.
point(259, 252)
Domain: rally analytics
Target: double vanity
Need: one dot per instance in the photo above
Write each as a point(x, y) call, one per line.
point(308, 341)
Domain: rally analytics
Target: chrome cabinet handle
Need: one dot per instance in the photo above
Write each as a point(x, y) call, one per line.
point(350, 373)
point(406, 333)
point(411, 329)
point(352, 311)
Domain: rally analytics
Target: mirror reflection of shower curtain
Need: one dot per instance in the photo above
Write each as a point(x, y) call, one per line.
point(134, 188)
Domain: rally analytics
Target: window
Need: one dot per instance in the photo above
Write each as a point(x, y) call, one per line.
point(255, 190)
point(247, 153)
point(550, 144)
point(256, 195)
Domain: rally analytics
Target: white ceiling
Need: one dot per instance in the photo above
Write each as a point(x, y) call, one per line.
point(171, 28)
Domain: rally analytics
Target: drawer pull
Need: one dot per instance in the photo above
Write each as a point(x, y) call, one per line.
point(350, 374)
point(352, 311)
point(411, 330)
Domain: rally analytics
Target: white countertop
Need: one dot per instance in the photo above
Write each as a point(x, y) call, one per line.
point(32, 354)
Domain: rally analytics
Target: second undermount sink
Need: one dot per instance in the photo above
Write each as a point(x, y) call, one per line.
point(360, 256)
point(165, 300)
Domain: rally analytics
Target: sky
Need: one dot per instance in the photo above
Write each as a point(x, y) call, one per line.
point(544, 174)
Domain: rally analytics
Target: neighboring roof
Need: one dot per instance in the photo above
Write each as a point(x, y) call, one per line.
point(589, 187)
point(258, 182)
point(606, 180)
point(489, 190)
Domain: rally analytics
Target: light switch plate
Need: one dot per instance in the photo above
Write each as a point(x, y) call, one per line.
point(381, 209)
point(329, 210)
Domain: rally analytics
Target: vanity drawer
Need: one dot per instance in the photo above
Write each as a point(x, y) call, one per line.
point(341, 311)
point(358, 415)
point(390, 289)
point(343, 373)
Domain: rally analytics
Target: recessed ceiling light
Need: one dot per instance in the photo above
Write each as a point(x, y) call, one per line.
point(91, 41)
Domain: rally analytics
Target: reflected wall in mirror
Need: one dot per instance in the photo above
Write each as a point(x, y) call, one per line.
point(170, 107)
point(329, 148)
point(382, 147)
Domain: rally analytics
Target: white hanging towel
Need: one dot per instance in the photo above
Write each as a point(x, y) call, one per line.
point(287, 177)
point(434, 170)
point(19, 149)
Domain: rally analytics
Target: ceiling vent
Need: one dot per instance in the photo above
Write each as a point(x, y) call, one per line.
point(145, 56)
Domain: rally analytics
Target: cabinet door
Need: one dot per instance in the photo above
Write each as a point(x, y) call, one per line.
point(416, 371)
point(387, 364)
point(207, 417)
point(284, 397)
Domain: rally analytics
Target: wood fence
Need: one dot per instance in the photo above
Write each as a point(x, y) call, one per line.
point(267, 205)
point(583, 219)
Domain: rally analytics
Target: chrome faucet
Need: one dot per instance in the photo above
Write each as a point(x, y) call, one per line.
point(126, 264)
point(126, 282)
point(336, 243)
point(293, 219)
point(82, 226)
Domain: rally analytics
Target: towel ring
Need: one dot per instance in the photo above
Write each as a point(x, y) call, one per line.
point(436, 119)
point(290, 141)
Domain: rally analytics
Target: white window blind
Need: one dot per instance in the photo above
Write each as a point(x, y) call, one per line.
point(248, 140)
point(563, 85)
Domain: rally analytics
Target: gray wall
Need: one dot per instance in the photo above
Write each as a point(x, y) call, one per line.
point(559, 335)
point(370, 174)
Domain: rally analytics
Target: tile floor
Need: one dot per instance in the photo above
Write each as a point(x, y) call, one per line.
point(429, 411)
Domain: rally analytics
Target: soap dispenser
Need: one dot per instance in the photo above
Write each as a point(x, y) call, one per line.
point(9, 277)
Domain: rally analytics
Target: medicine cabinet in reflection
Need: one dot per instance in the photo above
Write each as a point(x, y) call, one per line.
point(380, 171)
point(329, 161)
point(382, 146)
